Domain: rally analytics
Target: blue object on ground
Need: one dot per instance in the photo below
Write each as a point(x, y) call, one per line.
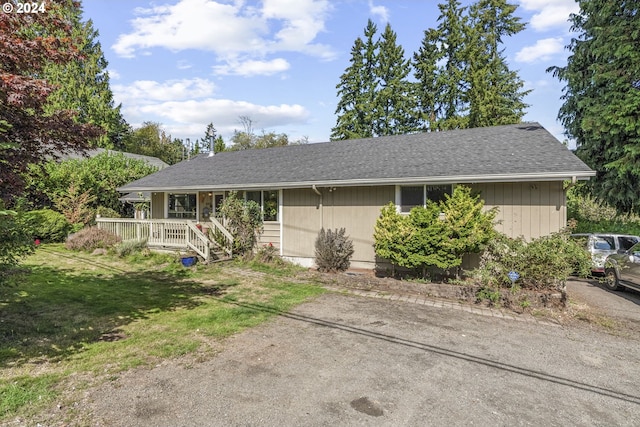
point(188, 261)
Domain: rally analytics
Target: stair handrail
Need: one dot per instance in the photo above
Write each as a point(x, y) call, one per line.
point(202, 248)
point(228, 247)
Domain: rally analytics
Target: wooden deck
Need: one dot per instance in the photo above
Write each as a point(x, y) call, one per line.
point(177, 234)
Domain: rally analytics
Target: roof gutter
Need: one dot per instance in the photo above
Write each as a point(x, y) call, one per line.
point(460, 179)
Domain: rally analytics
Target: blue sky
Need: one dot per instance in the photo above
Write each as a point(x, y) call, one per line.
point(186, 63)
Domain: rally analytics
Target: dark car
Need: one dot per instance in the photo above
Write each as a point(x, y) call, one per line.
point(623, 270)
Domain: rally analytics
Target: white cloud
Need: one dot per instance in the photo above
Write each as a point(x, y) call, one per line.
point(113, 74)
point(301, 20)
point(252, 67)
point(381, 11)
point(543, 50)
point(151, 91)
point(550, 13)
point(183, 65)
point(231, 30)
point(226, 112)
point(220, 28)
point(185, 107)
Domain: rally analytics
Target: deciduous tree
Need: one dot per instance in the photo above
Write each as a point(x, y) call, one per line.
point(247, 139)
point(151, 140)
point(75, 186)
point(29, 133)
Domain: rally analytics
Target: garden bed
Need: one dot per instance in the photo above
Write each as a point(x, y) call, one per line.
point(518, 301)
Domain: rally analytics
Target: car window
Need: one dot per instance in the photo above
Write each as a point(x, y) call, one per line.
point(603, 243)
point(635, 248)
point(626, 242)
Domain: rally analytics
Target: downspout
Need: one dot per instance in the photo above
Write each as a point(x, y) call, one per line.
point(574, 181)
point(315, 189)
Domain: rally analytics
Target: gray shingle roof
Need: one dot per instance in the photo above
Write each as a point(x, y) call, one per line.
point(153, 161)
point(523, 152)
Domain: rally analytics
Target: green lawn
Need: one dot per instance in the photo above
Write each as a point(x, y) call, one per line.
point(76, 319)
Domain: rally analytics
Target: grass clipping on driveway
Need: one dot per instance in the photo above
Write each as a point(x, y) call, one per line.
point(75, 319)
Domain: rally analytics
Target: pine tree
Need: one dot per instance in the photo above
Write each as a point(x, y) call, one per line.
point(602, 97)
point(463, 78)
point(356, 90)
point(440, 70)
point(83, 84)
point(211, 134)
point(495, 93)
point(394, 101)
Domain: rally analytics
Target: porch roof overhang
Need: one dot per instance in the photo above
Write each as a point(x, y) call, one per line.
point(461, 179)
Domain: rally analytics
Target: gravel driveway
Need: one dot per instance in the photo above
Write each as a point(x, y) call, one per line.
point(619, 305)
point(350, 360)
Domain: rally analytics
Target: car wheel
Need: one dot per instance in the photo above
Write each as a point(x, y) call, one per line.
point(611, 280)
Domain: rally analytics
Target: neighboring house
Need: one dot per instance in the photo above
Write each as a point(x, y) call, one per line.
point(521, 169)
point(153, 161)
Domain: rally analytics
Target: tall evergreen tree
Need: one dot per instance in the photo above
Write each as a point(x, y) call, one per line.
point(211, 134)
point(83, 84)
point(394, 101)
point(356, 90)
point(463, 78)
point(602, 97)
point(440, 70)
point(495, 93)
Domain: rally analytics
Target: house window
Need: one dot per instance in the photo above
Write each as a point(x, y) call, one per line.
point(436, 193)
point(410, 197)
point(268, 201)
point(182, 206)
point(417, 195)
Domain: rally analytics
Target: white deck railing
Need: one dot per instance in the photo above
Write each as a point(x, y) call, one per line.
point(166, 233)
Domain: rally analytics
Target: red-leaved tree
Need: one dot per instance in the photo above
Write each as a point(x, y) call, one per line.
point(28, 41)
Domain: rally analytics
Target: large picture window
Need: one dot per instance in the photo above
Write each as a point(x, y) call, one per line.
point(182, 206)
point(268, 201)
point(417, 195)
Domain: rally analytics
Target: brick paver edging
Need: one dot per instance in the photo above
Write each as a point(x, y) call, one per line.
point(440, 303)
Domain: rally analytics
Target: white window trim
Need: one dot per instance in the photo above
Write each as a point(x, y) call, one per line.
point(279, 220)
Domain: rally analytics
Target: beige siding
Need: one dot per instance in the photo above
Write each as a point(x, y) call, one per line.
point(354, 208)
point(270, 234)
point(301, 220)
point(157, 205)
point(529, 209)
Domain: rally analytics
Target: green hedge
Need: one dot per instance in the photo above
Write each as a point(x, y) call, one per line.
point(47, 225)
